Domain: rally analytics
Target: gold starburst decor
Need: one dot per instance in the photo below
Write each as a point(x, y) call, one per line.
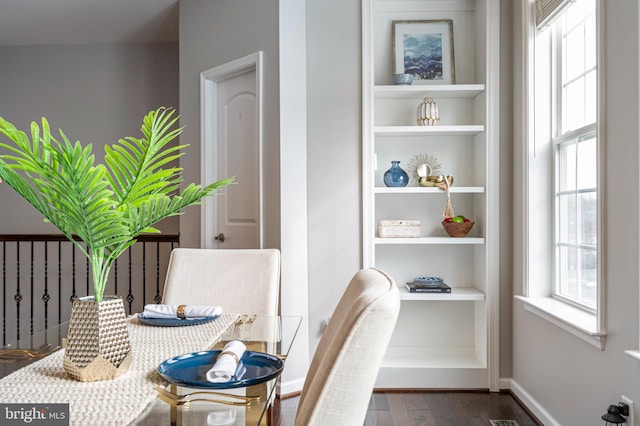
point(422, 165)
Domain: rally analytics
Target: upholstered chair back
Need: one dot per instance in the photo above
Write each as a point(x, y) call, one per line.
point(344, 368)
point(243, 281)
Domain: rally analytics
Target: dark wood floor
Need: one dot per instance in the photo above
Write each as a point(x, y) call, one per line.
point(428, 409)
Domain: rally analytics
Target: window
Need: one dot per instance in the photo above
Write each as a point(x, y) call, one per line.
point(574, 47)
point(562, 170)
point(576, 221)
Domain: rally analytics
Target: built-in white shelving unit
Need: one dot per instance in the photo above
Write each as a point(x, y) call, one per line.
point(441, 340)
point(457, 294)
point(431, 131)
point(426, 190)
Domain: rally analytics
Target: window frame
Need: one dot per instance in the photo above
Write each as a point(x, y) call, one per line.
point(537, 294)
point(590, 130)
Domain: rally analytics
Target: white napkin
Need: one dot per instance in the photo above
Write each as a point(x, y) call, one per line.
point(170, 311)
point(227, 362)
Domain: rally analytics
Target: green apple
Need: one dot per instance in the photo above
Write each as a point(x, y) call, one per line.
point(458, 219)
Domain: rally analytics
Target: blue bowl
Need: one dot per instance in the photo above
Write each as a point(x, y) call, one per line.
point(402, 78)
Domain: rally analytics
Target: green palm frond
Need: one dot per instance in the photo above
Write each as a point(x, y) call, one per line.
point(136, 164)
point(159, 207)
point(107, 207)
point(59, 179)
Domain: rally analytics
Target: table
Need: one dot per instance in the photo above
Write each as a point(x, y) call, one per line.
point(274, 335)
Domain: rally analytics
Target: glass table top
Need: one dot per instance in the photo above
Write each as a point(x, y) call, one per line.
point(271, 335)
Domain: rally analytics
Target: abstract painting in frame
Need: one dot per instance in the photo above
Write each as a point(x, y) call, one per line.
point(425, 50)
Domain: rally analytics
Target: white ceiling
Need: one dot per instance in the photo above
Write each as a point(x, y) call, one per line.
point(37, 22)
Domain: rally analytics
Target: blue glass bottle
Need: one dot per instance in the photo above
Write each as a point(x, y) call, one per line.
point(395, 176)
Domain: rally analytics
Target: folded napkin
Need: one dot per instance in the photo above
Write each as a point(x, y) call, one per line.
point(227, 362)
point(173, 311)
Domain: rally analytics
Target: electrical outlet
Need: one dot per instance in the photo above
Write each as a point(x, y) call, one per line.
point(323, 325)
point(631, 409)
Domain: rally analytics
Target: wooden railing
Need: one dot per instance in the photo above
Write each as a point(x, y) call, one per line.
point(42, 274)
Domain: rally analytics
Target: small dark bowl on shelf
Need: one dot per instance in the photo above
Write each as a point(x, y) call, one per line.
point(455, 229)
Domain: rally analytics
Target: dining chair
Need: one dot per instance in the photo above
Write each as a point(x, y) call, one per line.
point(243, 281)
point(340, 380)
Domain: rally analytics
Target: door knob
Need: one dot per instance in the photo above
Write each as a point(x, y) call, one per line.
point(220, 237)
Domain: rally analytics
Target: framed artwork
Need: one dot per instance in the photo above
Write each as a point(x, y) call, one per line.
point(425, 50)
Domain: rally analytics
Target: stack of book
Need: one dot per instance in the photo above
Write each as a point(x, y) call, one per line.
point(428, 287)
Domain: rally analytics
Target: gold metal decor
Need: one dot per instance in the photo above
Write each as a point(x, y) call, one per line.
point(428, 113)
point(98, 346)
point(420, 167)
point(21, 354)
point(177, 397)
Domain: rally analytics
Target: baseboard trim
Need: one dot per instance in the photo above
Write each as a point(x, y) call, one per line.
point(293, 388)
point(504, 384)
point(289, 388)
point(428, 390)
point(528, 402)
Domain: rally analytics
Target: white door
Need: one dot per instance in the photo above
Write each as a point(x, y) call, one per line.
point(238, 154)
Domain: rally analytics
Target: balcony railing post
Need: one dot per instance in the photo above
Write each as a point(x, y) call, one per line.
point(33, 299)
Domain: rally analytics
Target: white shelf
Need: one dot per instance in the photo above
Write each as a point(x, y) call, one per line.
point(430, 240)
point(427, 357)
point(436, 91)
point(457, 294)
point(428, 190)
point(468, 130)
point(437, 343)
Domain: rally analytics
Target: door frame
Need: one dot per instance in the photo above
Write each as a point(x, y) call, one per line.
point(209, 81)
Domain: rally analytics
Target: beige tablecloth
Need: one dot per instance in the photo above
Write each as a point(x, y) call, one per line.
point(119, 401)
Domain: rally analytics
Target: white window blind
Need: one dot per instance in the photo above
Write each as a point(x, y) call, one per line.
point(546, 10)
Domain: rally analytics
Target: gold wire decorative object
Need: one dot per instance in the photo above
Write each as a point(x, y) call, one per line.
point(428, 112)
point(435, 181)
point(416, 170)
point(444, 182)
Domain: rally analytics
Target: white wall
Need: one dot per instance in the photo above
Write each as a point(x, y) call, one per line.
point(95, 93)
point(294, 297)
point(571, 381)
point(213, 33)
point(506, 184)
point(334, 93)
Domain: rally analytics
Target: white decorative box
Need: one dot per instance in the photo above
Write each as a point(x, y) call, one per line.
point(398, 228)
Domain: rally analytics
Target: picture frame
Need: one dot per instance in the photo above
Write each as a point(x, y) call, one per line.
point(425, 50)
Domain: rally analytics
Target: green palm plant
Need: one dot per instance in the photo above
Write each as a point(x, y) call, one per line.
point(106, 206)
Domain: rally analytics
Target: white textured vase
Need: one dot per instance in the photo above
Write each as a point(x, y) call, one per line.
point(428, 113)
point(98, 346)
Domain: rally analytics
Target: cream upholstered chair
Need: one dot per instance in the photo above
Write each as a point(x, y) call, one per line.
point(243, 281)
point(343, 371)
